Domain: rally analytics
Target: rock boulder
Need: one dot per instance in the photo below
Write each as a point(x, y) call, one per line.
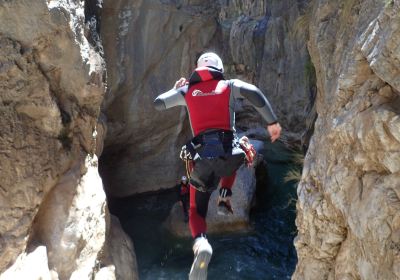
point(243, 194)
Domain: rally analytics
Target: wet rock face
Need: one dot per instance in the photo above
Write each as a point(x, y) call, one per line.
point(52, 205)
point(349, 196)
point(150, 44)
point(267, 47)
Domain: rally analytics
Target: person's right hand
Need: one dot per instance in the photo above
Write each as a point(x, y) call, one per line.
point(180, 83)
point(275, 131)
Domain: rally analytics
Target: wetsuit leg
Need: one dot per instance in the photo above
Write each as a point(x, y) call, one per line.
point(203, 176)
point(198, 211)
point(227, 181)
point(183, 204)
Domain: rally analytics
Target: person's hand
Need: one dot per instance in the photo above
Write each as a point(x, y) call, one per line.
point(180, 83)
point(275, 131)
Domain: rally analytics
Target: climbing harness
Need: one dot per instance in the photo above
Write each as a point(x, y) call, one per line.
point(187, 158)
point(211, 144)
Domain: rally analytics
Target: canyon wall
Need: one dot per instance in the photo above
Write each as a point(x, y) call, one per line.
point(348, 210)
point(54, 219)
point(52, 205)
point(150, 44)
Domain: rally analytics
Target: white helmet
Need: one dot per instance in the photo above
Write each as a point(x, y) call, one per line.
point(212, 60)
point(184, 178)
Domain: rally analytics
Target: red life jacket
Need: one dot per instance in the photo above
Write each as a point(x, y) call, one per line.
point(207, 101)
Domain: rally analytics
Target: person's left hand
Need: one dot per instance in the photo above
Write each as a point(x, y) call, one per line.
point(180, 83)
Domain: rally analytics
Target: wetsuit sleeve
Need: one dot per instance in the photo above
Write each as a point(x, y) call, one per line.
point(171, 98)
point(256, 98)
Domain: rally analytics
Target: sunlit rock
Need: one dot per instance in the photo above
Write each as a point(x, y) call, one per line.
point(52, 202)
point(349, 195)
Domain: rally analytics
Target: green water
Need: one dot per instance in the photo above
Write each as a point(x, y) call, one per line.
point(267, 252)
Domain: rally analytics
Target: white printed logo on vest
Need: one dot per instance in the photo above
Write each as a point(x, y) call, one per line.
point(197, 92)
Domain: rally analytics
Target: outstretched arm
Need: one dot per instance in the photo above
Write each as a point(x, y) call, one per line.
point(172, 98)
point(254, 95)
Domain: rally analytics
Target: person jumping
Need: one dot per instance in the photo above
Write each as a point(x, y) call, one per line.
point(214, 148)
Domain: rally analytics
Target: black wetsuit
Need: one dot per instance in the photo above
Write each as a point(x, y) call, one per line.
point(183, 193)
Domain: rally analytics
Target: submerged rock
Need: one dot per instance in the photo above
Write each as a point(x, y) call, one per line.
point(243, 194)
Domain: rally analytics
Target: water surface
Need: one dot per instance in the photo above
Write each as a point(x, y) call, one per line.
point(267, 252)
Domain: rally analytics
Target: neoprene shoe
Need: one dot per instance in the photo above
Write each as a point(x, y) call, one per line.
point(202, 255)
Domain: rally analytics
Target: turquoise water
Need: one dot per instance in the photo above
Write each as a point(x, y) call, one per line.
point(267, 252)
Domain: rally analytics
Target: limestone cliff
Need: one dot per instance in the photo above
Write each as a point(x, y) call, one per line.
point(54, 223)
point(150, 44)
point(348, 210)
point(52, 206)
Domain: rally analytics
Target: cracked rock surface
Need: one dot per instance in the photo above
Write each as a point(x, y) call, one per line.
point(348, 210)
point(52, 204)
